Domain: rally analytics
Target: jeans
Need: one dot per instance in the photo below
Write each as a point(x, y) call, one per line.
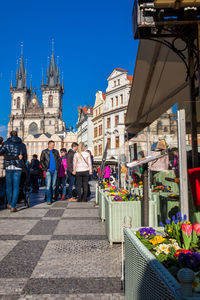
point(12, 186)
point(72, 180)
point(61, 185)
point(2, 191)
point(50, 179)
point(82, 179)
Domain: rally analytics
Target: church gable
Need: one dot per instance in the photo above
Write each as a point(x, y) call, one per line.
point(116, 72)
point(34, 106)
point(98, 100)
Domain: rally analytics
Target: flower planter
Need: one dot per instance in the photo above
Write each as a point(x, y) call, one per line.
point(116, 211)
point(97, 193)
point(167, 206)
point(145, 276)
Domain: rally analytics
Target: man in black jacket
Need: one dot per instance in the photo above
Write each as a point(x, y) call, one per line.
point(71, 177)
point(15, 155)
point(50, 162)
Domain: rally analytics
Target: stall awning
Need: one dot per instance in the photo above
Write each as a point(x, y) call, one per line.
point(159, 82)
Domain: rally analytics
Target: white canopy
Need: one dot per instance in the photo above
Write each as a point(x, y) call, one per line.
point(159, 82)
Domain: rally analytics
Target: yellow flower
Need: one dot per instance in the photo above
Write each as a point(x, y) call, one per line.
point(169, 230)
point(158, 239)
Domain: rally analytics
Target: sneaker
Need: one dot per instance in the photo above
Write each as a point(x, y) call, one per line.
point(8, 206)
point(48, 203)
point(72, 199)
point(63, 197)
point(13, 209)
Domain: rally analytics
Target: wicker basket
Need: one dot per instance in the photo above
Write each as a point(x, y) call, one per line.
point(116, 211)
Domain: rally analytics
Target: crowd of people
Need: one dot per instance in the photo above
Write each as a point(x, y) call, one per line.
point(54, 170)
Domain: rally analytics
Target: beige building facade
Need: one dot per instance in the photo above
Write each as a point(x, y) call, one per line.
point(98, 140)
point(37, 121)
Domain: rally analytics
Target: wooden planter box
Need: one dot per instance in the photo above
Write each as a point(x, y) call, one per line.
point(116, 211)
point(145, 276)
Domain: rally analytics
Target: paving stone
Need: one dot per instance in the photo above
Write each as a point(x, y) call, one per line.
point(91, 258)
point(72, 286)
point(22, 259)
point(60, 204)
point(79, 212)
point(116, 296)
point(12, 286)
point(79, 237)
point(44, 227)
point(80, 227)
point(37, 237)
point(16, 227)
point(6, 246)
point(5, 237)
point(25, 213)
point(54, 213)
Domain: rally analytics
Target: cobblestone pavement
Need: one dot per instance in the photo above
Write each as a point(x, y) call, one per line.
point(57, 252)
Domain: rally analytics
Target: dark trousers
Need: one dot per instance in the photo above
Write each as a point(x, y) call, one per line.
point(72, 182)
point(82, 179)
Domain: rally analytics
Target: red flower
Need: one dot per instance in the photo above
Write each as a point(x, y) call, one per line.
point(187, 229)
point(181, 251)
point(196, 228)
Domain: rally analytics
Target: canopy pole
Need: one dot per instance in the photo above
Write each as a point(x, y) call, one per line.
point(145, 195)
point(193, 113)
point(182, 162)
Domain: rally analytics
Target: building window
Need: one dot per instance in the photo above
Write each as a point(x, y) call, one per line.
point(114, 83)
point(112, 102)
point(50, 101)
point(116, 121)
point(95, 132)
point(165, 129)
point(18, 102)
point(116, 142)
point(109, 143)
point(118, 81)
point(49, 122)
point(100, 149)
point(100, 130)
point(124, 117)
point(33, 128)
point(95, 151)
point(122, 100)
point(116, 100)
point(108, 122)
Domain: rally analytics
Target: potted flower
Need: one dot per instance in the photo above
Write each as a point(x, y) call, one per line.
point(170, 256)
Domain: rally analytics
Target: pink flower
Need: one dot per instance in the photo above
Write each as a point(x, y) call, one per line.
point(196, 228)
point(187, 229)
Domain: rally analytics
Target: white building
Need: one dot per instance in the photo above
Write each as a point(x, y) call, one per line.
point(115, 107)
point(98, 139)
point(85, 126)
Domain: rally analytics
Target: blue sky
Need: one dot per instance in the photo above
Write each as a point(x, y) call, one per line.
point(91, 39)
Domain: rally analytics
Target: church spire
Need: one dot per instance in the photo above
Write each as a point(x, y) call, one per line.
point(52, 71)
point(11, 82)
point(21, 73)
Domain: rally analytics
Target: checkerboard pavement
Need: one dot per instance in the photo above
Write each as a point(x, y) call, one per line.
point(57, 252)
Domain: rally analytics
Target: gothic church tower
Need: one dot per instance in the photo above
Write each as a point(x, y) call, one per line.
point(52, 97)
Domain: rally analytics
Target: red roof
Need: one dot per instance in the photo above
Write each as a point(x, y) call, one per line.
point(130, 78)
point(104, 96)
point(119, 69)
point(85, 109)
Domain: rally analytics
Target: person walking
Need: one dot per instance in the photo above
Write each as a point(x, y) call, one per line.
point(15, 156)
point(124, 171)
point(71, 177)
point(107, 172)
point(34, 173)
point(50, 162)
point(2, 178)
point(82, 168)
point(62, 174)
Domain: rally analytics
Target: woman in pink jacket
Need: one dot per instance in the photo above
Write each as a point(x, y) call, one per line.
point(107, 172)
point(62, 174)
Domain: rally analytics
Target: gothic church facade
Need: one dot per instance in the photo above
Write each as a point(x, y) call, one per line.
point(37, 122)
